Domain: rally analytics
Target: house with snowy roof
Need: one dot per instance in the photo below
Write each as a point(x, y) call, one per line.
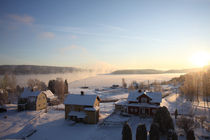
point(140, 103)
point(32, 100)
point(82, 108)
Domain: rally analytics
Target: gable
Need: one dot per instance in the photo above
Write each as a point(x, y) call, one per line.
point(143, 96)
point(155, 97)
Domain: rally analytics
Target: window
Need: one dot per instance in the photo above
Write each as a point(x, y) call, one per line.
point(131, 109)
point(153, 111)
point(143, 100)
point(143, 111)
point(137, 110)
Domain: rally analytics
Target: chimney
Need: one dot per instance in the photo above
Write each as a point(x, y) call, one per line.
point(82, 92)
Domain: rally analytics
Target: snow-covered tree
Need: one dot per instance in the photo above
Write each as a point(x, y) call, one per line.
point(126, 132)
point(141, 132)
point(154, 132)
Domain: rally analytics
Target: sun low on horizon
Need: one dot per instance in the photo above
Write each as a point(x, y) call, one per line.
point(200, 59)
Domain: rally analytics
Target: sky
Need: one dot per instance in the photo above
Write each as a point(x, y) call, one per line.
point(118, 34)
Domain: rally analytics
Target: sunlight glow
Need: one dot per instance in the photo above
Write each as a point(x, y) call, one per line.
point(200, 59)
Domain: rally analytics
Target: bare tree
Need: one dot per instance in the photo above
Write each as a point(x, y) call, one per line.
point(157, 86)
point(59, 89)
point(141, 85)
point(36, 84)
point(124, 84)
point(8, 87)
point(185, 123)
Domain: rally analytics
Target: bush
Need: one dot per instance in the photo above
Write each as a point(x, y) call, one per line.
point(190, 135)
point(185, 123)
point(126, 132)
point(172, 135)
point(154, 132)
point(164, 120)
point(141, 132)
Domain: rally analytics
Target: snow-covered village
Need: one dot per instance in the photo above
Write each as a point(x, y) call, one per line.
point(150, 109)
point(104, 70)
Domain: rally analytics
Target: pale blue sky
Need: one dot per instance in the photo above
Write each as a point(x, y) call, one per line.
point(161, 34)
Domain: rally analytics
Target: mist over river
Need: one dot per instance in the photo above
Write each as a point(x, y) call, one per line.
point(93, 80)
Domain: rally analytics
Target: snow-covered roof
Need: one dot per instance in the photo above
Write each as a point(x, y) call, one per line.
point(91, 108)
point(27, 93)
point(49, 94)
point(78, 114)
point(133, 95)
point(78, 99)
point(121, 102)
point(155, 96)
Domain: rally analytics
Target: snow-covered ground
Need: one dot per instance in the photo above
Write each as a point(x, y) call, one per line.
point(53, 126)
point(175, 101)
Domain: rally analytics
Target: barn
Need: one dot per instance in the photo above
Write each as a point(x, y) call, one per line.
point(32, 100)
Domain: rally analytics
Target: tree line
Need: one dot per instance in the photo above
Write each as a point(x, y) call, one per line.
point(10, 90)
point(196, 86)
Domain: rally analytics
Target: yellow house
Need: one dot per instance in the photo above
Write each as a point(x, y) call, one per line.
point(82, 108)
point(32, 100)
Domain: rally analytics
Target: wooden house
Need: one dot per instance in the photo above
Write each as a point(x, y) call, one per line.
point(140, 103)
point(82, 108)
point(32, 100)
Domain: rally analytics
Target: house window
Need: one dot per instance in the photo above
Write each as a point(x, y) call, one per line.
point(131, 109)
point(143, 100)
point(136, 110)
point(153, 111)
point(143, 111)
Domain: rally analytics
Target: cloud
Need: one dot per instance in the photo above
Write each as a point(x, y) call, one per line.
point(48, 35)
point(116, 28)
point(25, 19)
point(101, 67)
point(72, 47)
point(73, 37)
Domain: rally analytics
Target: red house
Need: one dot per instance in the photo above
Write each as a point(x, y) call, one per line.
point(140, 103)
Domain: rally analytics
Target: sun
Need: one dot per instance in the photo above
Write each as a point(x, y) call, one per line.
point(200, 59)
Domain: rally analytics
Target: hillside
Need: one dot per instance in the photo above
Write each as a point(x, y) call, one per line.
point(153, 71)
point(34, 69)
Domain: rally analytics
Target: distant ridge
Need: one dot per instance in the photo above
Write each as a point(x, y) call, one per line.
point(153, 71)
point(35, 69)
